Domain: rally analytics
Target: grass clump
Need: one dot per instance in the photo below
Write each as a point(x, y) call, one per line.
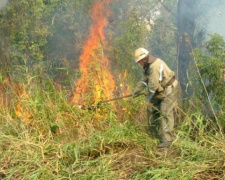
point(47, 138)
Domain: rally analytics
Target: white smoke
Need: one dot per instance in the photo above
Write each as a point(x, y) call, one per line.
point(3, 3)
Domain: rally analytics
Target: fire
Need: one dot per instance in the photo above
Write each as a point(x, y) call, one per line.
point(22, 112)
point(124, 89)
point(96, 82)
point(11, 92)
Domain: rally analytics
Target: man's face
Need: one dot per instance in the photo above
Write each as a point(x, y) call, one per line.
point(143, 61)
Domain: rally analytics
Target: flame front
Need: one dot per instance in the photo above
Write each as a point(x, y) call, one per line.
point(96, 82)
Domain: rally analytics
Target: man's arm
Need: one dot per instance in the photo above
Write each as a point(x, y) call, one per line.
point(141, 85)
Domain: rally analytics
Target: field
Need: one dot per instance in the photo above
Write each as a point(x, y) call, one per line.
point(42, 136)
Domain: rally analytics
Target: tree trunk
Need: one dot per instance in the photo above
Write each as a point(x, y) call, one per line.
point(186, 27)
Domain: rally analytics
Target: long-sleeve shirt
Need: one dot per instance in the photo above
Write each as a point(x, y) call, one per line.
point(155, 77)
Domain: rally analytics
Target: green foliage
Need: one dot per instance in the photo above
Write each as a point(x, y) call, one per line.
point(163, 37)
point(42, 136)
point(43, 33)
point(132, 35)
point(25, 29)
point(68, 37)
point(211, 64)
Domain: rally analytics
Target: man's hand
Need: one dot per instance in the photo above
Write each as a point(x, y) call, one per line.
point(160, 95)
point(146, 93)
point(150, 105)
point(136, 94)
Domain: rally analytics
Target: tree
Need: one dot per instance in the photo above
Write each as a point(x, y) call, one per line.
point(163, 37)
point(42, 36)
point(211, 63)
point(186, 26)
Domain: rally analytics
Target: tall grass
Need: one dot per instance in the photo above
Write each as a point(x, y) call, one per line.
point(51, 139)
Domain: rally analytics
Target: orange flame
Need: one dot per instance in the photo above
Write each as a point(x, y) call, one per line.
point(123, 88)
point(23, 112)
point(18, 94)
point(96, 82)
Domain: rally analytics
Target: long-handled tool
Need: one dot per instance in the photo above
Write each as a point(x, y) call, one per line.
point(122, 97)
point(149, 104)
point(100, 102)
point(93, 107)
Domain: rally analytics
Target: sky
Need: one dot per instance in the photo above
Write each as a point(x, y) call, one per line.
point(213, 17)
point(217, 22)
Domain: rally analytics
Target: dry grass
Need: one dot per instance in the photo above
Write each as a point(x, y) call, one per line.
point(111, 142)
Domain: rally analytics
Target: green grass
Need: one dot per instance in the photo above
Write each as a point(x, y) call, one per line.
point(64, 142)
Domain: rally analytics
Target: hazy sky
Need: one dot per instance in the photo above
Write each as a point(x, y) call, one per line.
point(213, 18)
point(217, 20)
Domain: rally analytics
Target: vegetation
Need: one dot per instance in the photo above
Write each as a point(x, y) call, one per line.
point(211, 67)
point(163, 37)
point(43, 136)
point(210, 78)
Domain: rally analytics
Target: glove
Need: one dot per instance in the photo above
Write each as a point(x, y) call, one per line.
point(150, 106)
point(145, 93)
point(159, 95)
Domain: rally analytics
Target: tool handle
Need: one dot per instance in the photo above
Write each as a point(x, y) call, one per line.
point(129, 95)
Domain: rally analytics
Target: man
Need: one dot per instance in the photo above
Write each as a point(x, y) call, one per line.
point(162, 88)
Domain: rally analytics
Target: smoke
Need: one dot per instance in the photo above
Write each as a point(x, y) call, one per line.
point(197, 19)
point(212, 17)
point(3, 3)
point(93, 57)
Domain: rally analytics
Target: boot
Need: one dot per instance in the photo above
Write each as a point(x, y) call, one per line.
point(164, 144)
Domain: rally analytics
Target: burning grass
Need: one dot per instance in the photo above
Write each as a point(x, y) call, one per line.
point(109, 142)
point(96, 82)
point(43, 135)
